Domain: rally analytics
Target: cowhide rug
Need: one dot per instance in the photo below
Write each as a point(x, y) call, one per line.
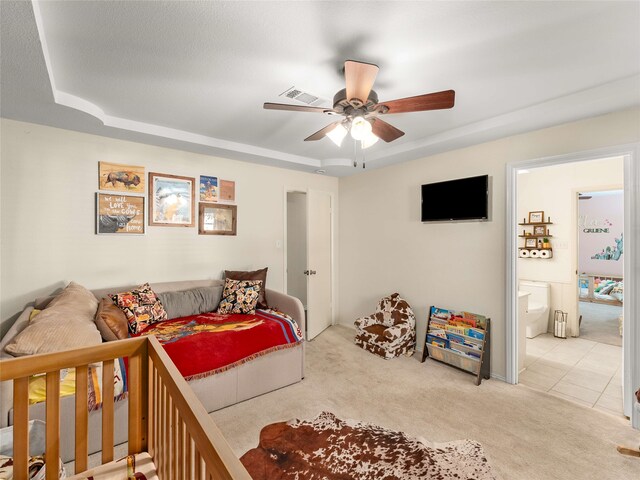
point(333, 449)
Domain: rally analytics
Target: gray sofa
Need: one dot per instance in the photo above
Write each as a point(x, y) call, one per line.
point(261, 375)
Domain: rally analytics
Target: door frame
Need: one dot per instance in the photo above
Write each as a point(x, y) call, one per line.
point(305, 190)
point(631, 324)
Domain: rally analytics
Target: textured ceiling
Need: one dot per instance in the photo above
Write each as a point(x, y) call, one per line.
point(194, 75)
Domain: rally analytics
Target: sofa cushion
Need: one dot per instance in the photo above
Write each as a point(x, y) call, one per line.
point(141, 306)
point(240, 296)
point(184, 303)
point(66, 323)
point(111, 321)
point(254, 275)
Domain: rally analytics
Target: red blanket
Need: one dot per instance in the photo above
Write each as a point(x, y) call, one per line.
point(202, 345)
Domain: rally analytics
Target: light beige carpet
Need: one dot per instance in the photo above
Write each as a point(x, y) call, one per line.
point(525, 433)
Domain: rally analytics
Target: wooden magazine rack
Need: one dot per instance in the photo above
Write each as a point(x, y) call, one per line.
point(459, 339)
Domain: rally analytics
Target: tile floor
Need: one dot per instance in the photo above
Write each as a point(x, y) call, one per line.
point(583, 371)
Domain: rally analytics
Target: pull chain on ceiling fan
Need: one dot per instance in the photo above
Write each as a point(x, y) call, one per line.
point(358, 104)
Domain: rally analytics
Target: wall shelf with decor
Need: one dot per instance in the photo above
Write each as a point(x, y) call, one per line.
point(536, 235)
point(459, 339)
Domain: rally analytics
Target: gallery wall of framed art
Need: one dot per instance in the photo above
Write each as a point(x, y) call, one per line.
point(171, 201)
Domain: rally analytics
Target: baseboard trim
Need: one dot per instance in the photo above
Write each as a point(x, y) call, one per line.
point(348, 325)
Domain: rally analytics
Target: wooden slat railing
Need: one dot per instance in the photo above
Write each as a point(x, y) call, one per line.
point(165, 417)
point(21, 427)
point(20, 369)
point(82, 418)
point(107, 411)
point(53, 424)
point(212, 455)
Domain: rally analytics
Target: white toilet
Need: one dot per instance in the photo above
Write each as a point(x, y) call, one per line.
point(537, 316)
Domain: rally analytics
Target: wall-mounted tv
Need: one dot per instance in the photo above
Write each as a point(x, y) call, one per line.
point(460, 199)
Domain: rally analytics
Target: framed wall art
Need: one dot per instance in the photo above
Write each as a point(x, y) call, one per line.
point(119, 214)
point(227, 191)
point(171, 200)
point(530, 243)
point(536, 217)
point(539, 230)
point(217, 219)
point(120, 178)
point(208, 189)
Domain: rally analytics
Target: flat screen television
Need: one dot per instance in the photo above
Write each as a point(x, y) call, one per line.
point(460, 199)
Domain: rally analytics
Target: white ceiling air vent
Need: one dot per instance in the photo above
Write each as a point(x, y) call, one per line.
point(301, 96)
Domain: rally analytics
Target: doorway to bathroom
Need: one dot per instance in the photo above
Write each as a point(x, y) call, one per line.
point(580, 368)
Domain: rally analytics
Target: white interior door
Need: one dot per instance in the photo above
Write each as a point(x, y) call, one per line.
point(319, 308)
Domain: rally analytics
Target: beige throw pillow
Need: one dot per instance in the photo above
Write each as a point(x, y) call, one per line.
point(66, 323)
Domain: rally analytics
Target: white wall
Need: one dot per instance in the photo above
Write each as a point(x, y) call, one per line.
point(385, 248)
point(297, 245)
point(601, 223)
point(554, 190)
point(49, 180)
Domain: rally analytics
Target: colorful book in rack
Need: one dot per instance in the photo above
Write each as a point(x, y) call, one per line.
point(481, 320)
point(438, 332)
point(475, 346)
point(457, 329)
point(438, 341)
point(439, 313)
point(464, 320)
point(438, 323)
point(476, 333)
point(455, 338)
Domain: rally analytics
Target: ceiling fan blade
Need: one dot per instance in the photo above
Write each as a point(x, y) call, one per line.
point(295, 108)
point(359, 78)
point(386, 131)
point(322, 132)
point(429, 101)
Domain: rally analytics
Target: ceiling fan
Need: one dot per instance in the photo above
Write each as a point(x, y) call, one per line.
point(359, 106)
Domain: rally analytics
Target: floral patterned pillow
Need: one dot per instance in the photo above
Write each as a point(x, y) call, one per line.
point(141, 307)
point(240, 296)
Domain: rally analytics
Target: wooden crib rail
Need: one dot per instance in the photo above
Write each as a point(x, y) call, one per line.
point(182, 438)
point(20, 369)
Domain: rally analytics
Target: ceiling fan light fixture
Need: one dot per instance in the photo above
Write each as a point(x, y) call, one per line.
point(359, 106)
point(369, 140)
point(360, 128)
point(337, 134)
